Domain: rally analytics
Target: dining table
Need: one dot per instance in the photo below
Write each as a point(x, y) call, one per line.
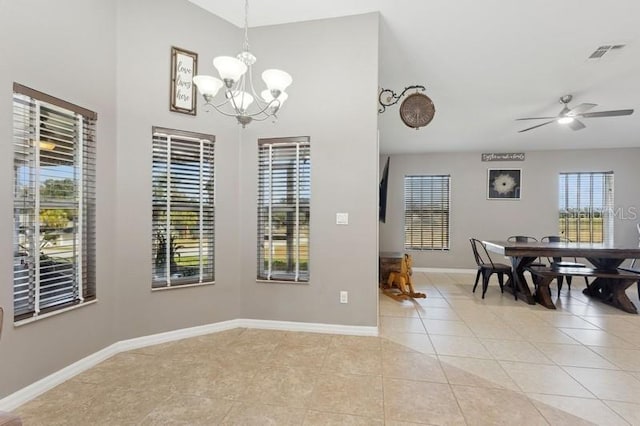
point(605, 258)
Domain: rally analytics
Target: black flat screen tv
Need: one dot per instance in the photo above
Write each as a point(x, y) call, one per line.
point(382, 209)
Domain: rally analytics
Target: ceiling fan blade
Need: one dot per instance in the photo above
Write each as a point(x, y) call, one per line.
point(614, 113)
point(581, 108)
point(536, 118)
point(576, 125)
point(539, 125)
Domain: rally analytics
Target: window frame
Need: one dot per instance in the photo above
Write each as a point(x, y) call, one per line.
point(443, 212)
point(607, 214)
point(205, 209)
point(301, 209)
point(49, 132)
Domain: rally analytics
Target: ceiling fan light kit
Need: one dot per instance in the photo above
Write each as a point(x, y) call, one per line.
point(569, 116)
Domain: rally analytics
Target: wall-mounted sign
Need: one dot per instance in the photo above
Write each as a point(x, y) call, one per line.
point(184, 65)
point(503, 156)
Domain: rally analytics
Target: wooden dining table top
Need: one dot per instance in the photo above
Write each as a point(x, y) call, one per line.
point(560, 249)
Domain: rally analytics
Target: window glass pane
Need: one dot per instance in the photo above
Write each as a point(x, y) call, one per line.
point(426, 212)
point(54, 206)
point(585, 202)
point(183, 209)
point(284, 190)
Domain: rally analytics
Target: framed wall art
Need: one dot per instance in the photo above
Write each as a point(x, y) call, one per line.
point(504, 184)
point(184, 65)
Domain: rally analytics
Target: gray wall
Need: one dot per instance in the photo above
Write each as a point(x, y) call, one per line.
point(70, 56)
point(472, 215)
point(334, 64)
point(146, 31)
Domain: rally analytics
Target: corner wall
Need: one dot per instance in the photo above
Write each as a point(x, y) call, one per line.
point(536, 213)
point(66, 49)
point(146, 31)
point(334, 64)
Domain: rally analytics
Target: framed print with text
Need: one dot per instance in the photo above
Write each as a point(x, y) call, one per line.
point(184, 65)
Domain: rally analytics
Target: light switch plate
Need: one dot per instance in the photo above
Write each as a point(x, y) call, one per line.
point(342, 218)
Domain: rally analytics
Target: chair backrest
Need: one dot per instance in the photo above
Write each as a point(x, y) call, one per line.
point(481, 254)
point(633, 262)
point(522, 239)
point(556, 239)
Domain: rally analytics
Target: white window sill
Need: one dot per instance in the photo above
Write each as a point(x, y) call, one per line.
point(281, 282)
point(50, 314)
point(174, 287)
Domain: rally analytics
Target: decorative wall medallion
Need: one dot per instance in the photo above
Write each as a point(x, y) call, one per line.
point(417, 110)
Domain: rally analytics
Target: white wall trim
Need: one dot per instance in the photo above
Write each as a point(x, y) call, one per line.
point(30, 392)
point(354, 330)
point(26, 394)
point(446, 270)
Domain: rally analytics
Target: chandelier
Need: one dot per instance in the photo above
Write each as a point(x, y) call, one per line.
point(236, 78)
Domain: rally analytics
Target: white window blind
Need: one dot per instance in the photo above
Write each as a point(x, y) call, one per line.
point(54, 203)
point(426, 212)
point(284, 191)
point(183, 221)
point(586, 206)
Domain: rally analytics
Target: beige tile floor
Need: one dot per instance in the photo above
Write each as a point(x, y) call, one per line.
point(451, 358)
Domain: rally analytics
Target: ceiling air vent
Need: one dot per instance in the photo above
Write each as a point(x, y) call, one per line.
point(608, 48)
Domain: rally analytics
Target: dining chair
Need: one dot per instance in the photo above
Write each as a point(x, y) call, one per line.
point(522, 239)
point(487, 267)
point(558, 262)
point(526, 239)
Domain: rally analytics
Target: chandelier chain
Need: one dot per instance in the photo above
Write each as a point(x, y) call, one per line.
point(246, 26)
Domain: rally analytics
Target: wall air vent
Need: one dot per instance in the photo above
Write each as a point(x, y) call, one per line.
point(607, 48)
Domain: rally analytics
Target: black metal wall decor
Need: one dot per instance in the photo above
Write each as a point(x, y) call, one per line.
point(416, 110)
point(388, 97)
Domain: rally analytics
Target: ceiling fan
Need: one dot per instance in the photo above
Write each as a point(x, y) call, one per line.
point(569, 116)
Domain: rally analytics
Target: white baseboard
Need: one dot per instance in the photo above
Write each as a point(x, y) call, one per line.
point(311, 327)
point(26, 394)
point(446, 270)
point(30, 392)
point(170, 336)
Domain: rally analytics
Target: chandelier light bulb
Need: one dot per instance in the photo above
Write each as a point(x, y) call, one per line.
point(241, 100)
point(277, 79)
point(229, 68)
point(208, 86)
point(565, 120)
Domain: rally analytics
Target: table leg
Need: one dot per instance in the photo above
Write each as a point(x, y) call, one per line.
point(520, 286)
point(612, 292)
point(543, 294)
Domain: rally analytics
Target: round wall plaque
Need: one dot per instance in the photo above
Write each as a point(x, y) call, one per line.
point(417, 110)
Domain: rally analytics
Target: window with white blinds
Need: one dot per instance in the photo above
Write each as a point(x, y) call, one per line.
point(426, 212)
point(586, 206)
point(54, 204)
point(183, 220)
point(284, 204)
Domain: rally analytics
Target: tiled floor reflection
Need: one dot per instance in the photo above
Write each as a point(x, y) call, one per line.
point(451, 358)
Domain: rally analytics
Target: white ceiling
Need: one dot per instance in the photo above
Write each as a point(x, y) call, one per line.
point(485, 63)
